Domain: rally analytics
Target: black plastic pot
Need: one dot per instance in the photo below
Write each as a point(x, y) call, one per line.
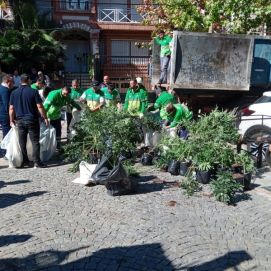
point(184, 166)
point(237, 168)
point(203, 176)
point(94, 158)
point(174, 167)
point(146, 159)
point(247, 180)
point(243, 179)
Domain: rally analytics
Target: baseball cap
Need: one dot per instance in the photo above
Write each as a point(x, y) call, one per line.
point(139, 80)
point(95, 83)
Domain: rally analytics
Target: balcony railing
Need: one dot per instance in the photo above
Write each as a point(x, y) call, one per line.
point(125, 60)
point(74, 5)
point(6, 14)
point(118, 15)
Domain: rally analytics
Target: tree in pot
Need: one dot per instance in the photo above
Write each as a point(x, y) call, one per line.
point(174, 150)
point(224, 187)
point(245, 160)
point(108, 130)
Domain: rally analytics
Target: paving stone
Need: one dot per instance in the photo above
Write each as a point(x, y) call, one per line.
point(66, 226)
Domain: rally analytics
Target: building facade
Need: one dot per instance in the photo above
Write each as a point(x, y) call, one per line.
point(102, 37)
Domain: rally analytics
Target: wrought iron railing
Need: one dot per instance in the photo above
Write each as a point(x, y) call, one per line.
point(75, 5)
point(125, 60)
point(120, 14)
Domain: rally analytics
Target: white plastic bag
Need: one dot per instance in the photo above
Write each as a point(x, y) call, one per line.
point(76, 116)
point(14, 153)
point(47, 142)
point(6, 139)
point(86, 171)
point(152, 139)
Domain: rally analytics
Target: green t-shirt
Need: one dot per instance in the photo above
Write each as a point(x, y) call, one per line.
point(182, 113)
point(164, 43)
point(93, 98)
point(111, 98)
point(76, 93)
point(135, 101)
point(55, 101)
point(162, 101)
point(34, 86)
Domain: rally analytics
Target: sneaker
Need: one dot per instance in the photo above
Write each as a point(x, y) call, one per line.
point(39, 165)
point(25, 164)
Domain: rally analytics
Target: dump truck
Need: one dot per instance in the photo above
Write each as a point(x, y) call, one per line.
point(217, 69)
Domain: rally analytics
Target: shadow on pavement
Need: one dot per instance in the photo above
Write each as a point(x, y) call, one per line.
point(241, 197)
point(8, 199)
point(140, 257)
point(150, 183)
point(229, 261)
point(6, 240)
point(4, 184)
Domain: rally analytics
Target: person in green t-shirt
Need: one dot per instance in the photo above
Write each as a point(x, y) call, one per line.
point(53, 105)
point(94, 97)
point(135, 100)
point(164, 98)
point(165, 53)
point(111, 95)
point(175, 114)
point(142, 87)
point(39, 84)
point(76, 93)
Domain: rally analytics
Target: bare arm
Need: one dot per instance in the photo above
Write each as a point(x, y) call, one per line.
point(12, 115)
point(43, 113)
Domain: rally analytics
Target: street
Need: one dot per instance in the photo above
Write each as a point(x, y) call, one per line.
point(49, 223)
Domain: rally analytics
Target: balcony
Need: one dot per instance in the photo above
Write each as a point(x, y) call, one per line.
point(118, 15)
point(75, 5)
point(6, 14)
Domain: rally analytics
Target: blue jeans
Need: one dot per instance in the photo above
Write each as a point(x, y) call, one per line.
point(4, 122)
point(31, 127)
point(164, 63)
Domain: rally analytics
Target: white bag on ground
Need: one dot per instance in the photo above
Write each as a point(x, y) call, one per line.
point(86, 171)
point(14, 153)
point(47, 142)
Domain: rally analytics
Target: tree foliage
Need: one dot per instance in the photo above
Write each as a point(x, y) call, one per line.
point(29, 48)
point(228, 16)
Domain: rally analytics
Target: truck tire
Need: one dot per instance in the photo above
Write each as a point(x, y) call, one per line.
point(250, 139)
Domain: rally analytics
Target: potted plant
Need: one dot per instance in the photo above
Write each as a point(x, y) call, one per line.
point(224, 187)
point(204, 172)
point(245, 160)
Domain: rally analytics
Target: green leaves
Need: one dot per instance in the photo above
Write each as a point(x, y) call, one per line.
point(29, 48)
point(103, 131)
point(224, 187)
point(231, 16)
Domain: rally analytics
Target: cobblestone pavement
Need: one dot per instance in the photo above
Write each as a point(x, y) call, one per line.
point(49, 223)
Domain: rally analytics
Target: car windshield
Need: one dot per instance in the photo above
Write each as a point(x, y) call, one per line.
point(263, 99)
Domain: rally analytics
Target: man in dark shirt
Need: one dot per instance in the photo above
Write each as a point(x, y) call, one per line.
point(5, 91)
point(26, 105)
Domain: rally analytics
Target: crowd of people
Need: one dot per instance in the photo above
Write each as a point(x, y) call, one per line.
point(26, 100)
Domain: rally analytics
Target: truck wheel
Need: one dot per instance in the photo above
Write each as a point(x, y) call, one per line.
point(250, 138)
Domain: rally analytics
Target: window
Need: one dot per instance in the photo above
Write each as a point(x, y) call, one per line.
point(263, 99)
point(75, 4)
point(125, 52)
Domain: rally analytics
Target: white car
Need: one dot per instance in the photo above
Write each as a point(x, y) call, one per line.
point(256, 124)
